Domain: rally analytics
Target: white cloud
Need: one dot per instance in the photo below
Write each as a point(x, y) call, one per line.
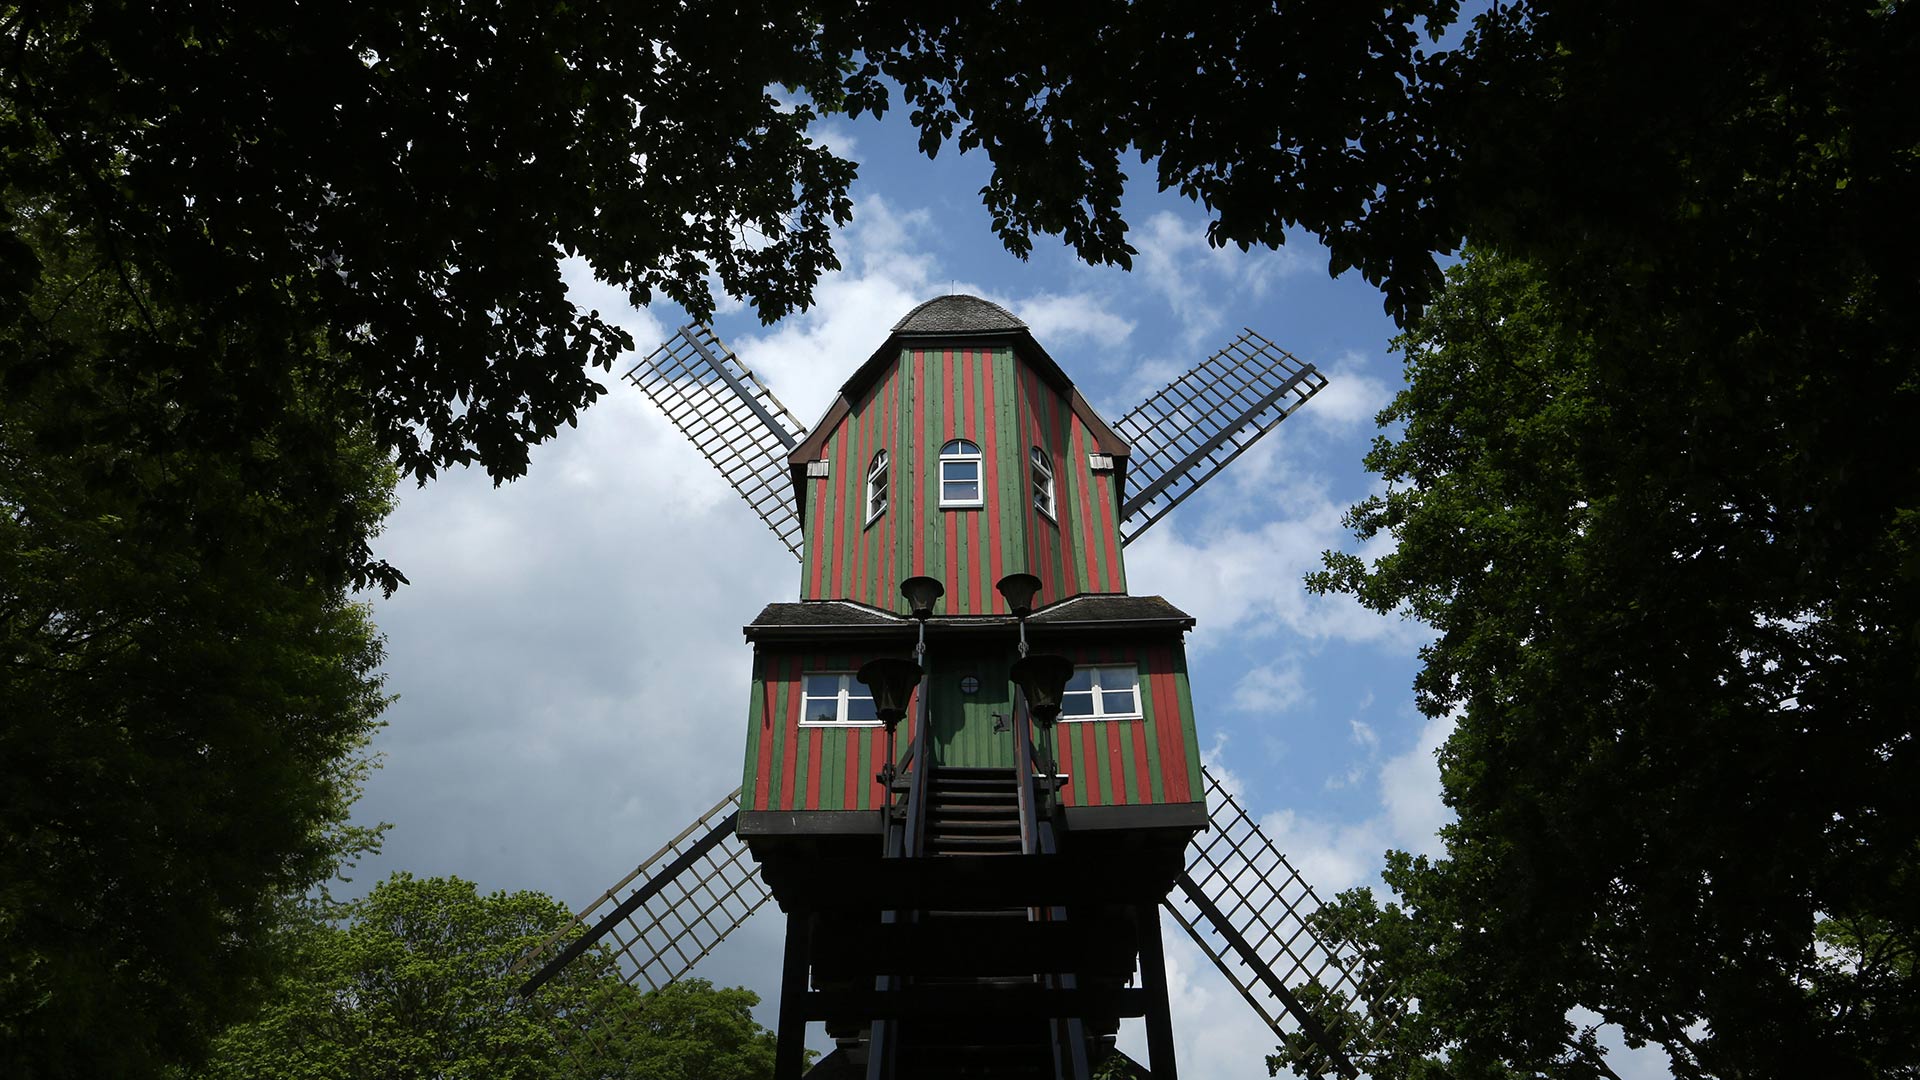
point(1272, 688)
point(1352, 397)
point(1070, 316)
point(1245, 581)
point(1176, 261)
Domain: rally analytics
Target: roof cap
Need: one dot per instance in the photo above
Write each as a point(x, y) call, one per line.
point(958, 314)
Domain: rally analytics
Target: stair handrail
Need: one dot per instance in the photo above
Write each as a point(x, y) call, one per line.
point(917, 766)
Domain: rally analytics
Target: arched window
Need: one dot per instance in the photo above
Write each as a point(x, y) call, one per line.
point(877, 486)
point(960, 474)
point(1042, 482)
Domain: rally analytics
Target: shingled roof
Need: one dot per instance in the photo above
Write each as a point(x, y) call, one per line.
point(958, 314)
point(843, 616)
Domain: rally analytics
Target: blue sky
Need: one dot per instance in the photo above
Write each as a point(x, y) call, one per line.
point(572, 678)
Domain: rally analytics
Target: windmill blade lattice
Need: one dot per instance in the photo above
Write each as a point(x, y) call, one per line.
point(670, 912)
point(1247, 908)
point(731, 417)
point(1197, 424)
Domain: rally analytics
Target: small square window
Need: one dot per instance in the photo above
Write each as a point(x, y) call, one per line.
point(1102, 693)
point(836, 697)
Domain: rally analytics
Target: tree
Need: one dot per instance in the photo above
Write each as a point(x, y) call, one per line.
point(414, 981)
point(1677, 615)
point(186, 687)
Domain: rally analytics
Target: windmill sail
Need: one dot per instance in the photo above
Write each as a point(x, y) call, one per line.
point(731, 417)
point(1198, 423)
point(1247, 908)
point(669, 913)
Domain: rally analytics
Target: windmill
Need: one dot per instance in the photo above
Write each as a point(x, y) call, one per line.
point(971, 845)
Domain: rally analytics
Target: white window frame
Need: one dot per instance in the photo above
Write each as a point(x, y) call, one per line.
point(850, 687)
point(1099, 704)
point(1039, 469)
point(877, 499)
point(951, 456)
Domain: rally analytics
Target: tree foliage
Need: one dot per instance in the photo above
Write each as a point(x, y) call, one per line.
point(1651, 484)
point(415, 981)
point(185, 685)
point(1684, 678)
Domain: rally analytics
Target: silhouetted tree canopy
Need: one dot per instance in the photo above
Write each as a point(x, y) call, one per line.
point(186, 687)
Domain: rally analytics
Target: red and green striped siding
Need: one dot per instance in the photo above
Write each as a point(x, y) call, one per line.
point(988, 397)
point(1135, 762)
point(789, 767)
point(1112, 762)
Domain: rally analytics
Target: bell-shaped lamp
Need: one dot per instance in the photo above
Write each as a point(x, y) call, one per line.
point(892, 680)
point(1043, 679)
point(922, 593)
point(1019, 589)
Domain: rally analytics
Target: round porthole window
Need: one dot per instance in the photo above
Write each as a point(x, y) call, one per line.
point(968, 684)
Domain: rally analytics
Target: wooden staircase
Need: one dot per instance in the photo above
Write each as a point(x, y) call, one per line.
point(973, 813)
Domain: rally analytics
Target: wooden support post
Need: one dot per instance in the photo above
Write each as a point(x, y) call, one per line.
point(1153, 979)
point(790, 1058)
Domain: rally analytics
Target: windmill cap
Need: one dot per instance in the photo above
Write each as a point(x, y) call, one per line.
point(958, 314)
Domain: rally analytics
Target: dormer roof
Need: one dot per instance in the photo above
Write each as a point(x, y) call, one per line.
point(957, 319)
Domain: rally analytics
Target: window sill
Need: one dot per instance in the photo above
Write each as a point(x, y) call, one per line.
point(1095, 719)
point(840, 723)
point(963, 506)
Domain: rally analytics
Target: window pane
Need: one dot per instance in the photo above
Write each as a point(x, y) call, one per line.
point(1082, 680)
point(960, 491)
point(1076, 703)
point(861, 708)
point(825, 686)
point(1118, 702)
point(960, 470)
point(1119, 678)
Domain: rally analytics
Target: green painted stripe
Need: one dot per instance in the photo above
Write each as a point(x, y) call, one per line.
point(1130, 735)
point(776, 779)
point(1156, 785)
point(1084, 473)
point(850, 510)
point(982, 532)
point(756, 707)
point(934, 537)
point(1187, 730)
point(1011, 440)
point(910, 472)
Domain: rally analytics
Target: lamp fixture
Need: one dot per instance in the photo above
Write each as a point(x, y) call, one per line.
point(1019, 590)
point(922, 593)
point(892, 680)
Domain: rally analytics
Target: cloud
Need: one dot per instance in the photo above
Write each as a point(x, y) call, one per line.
point(1272, 688)
point(1352, 397)
point(1246, 580)
point(1054, 317)
point(1176, 261)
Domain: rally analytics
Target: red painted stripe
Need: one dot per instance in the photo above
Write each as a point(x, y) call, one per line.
point(990, 405)
point(837, 461)
point(1116, 768)
point(769, 731)
point(1063, 748)
point(1166, 713)
point(790, 734)
point(850, 795)
point(918, 391)
point(1039, 532)
point(815, 737)
point(969, 579)
point(1142, 772)
point(1109, 525)
point(857, 540)
point(956, 593)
